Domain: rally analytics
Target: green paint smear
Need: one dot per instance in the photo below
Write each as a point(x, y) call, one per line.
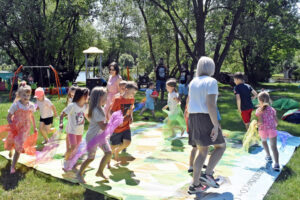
point(58, 156)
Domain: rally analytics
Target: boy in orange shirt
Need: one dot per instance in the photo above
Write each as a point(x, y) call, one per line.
point(121, 138)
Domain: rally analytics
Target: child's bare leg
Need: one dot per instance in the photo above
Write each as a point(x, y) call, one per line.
point(120, 148)
point(153, 113)
point(43, 131)
point(143, 110)
point(104, 161)
point(11, 153)
point(49, 129)
point(83, 166)
point(273, 143)
point(266, 147)
point(14, 162)
point(70, 152)
point(247, 125)
point(113, 149)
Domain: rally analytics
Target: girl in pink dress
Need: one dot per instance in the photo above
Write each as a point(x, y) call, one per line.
point(112, 86)
point(20, 116)
point(267, 123)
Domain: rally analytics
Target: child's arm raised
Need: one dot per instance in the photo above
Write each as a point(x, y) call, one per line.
point(238, 102)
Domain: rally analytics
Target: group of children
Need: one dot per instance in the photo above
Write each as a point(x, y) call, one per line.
point(81, 105)
point(266, 115)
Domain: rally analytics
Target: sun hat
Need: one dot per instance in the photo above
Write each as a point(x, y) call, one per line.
point(39, 92)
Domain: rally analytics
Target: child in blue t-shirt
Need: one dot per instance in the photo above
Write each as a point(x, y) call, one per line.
point(149, 104)
point(244, 94)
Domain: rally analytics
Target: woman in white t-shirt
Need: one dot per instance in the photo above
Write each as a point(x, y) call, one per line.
point(203, 124)
point(47, 111)
point(76, 117)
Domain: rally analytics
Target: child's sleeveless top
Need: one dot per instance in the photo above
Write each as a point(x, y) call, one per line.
point(268, 118)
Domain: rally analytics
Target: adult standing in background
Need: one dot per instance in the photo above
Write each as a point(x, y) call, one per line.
point(184, 80)
point(161, 72)
point(112, 85)
point(203, 124)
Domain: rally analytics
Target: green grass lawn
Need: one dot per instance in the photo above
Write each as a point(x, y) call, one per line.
point(31, 184)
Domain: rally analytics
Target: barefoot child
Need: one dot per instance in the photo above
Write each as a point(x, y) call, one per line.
point(70, 97)
point(175, 118)
point(97, 125)
point(243, 94)
point(20, 116)
point(149, 100)
point(47, 110)
point(121, 138)
point(267, 122)
point(76, 118)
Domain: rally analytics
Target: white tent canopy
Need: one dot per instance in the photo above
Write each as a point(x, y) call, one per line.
point(93, 50)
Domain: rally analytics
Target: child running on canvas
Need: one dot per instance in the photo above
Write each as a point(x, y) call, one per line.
point(243, 93)
point(149, 100)
point(97, 120)
point(76, 118)
point(47, 110)
point(267, 123)
point(20, 116)
point(175, 118)
point(121, 137)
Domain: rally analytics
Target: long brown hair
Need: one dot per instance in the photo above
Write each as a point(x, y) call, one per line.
point(96, 95)
point(265, 98)
point(80, 92)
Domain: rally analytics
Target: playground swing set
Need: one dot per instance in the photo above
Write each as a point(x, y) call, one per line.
point(57, 82)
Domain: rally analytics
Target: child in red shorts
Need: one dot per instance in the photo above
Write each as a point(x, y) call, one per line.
point(243, 93)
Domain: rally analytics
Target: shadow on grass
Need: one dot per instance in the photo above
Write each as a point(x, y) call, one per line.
point(92, 195)
point(285, 174)
point(10, 181)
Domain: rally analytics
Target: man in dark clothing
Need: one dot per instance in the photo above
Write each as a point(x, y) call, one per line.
point(184, 80)
point(161, 72)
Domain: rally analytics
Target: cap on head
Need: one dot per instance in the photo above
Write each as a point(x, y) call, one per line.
point(39, 93)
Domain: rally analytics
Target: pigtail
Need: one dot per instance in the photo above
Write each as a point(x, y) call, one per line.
point(264, 97)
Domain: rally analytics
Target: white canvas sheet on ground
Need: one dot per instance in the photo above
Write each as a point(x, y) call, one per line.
point(157, 172)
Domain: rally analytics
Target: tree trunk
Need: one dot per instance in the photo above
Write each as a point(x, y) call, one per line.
point(230, 37)
point(148, 34)
point(177, 49)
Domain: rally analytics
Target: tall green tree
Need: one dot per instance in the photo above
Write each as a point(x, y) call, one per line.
point(194, 32)
point(267, 37)
point(44, 32)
